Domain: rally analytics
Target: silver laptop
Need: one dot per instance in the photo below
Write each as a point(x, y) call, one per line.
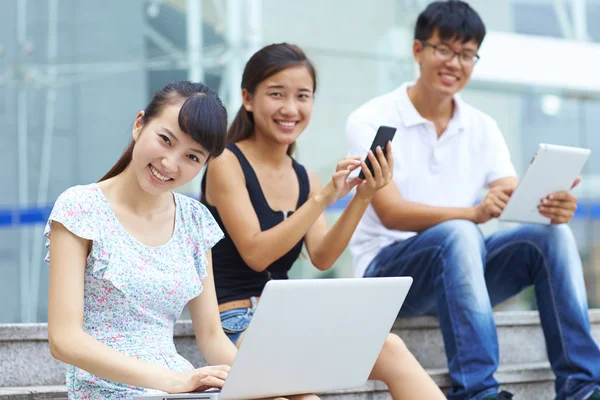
point(311, 336)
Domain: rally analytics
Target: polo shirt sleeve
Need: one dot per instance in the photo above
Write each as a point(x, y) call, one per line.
point(359, 135)
point(500, 164)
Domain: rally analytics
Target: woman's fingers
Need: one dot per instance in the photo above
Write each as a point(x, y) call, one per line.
point(353, 167)
point(347, 163)
point(212, 375)
point(219, 373)
point(376, 169)
point(385, 171)
point(225, 368)
point(212, 381)
point(366, 171)
point(377, 174)
point(390, 158)
point(339, 179)
point(354, 182)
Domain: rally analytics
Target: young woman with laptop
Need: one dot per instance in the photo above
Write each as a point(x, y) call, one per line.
point(269, 205)
point(127, 254)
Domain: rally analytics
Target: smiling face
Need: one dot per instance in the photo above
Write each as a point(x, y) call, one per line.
point(444, 77)
point(282, 104)
point(164, 157)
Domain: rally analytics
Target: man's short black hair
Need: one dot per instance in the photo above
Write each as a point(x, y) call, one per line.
point(453, 19)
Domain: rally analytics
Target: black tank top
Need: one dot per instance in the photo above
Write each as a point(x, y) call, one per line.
point(234, 279)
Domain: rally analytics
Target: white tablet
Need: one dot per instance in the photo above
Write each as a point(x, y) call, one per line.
point(552, 169)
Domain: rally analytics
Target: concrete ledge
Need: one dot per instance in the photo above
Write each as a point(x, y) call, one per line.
point(25, 358)
point(533, 381)
point(516, 331)
point(19, 332)
point(34, 392)
point(502, 318)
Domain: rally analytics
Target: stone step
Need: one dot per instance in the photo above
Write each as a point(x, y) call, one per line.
point(520, 338)
point(25, 358)
point(529, 381)
point(34, 393)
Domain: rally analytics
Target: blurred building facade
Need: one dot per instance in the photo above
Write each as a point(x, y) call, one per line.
point(74, 73)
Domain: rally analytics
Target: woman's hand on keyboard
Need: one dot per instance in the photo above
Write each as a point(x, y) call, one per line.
point(199, 379)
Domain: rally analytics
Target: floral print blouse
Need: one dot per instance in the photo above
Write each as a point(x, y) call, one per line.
point(133, 293)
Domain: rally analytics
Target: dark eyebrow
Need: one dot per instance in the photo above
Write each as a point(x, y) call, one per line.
point(172, 135)
point(464, 50)
point(281, 87)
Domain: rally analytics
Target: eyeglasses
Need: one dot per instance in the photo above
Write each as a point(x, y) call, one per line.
point(445, 53)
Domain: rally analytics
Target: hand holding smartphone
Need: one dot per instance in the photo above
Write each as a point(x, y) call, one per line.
point(384, 134)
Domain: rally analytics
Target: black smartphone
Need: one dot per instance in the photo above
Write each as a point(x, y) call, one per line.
point(384, 134)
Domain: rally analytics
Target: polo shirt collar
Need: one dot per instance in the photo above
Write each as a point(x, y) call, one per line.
point(411, 117)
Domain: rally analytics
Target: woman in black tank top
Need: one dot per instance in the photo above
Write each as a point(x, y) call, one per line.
point(268, 206)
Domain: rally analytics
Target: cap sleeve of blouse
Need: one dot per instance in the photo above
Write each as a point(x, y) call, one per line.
point(76, 210)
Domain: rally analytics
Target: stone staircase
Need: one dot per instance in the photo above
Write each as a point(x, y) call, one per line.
point(28, 371)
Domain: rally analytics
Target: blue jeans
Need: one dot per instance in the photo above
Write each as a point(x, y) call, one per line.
point(460, 275)
point(236, 321)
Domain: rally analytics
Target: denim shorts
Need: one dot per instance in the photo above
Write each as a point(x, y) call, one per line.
point(236, 321)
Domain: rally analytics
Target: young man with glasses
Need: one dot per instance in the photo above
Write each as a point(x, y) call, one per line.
point(425, 225)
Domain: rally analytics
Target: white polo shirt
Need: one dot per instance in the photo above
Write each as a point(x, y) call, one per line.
point(445, 172)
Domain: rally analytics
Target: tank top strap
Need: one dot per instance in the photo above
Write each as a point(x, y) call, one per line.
point(249, 174)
